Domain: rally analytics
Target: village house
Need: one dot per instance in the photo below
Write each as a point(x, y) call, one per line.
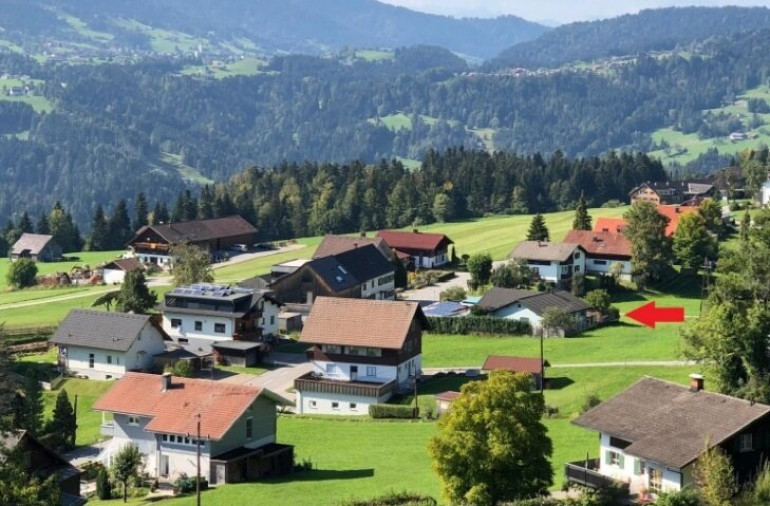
point(361, 273)
point(169, 418)
point(616, 225)
point(200, 315)
point(551, 261)
point(153, 243)
point(362, 351)
point(38, 247)
point(114, 272)
point(674, 213)
point(444, 401)
point(530, 306)
point(673, 192)
point(418, 250)
point(603, 250)
point(106, 345)
point(41, 462)
point(652, 434)
point(535, 367)
point(335, 244)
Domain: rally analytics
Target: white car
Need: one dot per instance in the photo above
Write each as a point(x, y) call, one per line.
point(239, 247)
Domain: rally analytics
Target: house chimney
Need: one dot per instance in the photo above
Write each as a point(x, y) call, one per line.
point(165, 381)
point(677, 210)
point(696, 382)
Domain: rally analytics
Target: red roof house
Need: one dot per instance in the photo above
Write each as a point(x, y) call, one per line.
point(424, 250)
point(533, 366)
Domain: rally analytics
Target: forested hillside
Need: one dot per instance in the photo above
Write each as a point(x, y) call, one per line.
point(265, 26)
point(116, 129)
point(650, 30)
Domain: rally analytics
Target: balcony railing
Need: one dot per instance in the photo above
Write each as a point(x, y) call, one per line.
point(585, 472)
point(312, 382)
point(107, 428)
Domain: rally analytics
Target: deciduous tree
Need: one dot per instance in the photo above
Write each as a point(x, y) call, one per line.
point(651, 249)
point(190, 264)
point(492, 446)
point(125, 465)
point(715, 476)
point(22, 273)
point(480, 268)
point(693, 243)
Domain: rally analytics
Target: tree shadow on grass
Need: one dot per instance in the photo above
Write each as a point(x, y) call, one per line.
point(557, 383)
point(436, 385)
point(324, 475)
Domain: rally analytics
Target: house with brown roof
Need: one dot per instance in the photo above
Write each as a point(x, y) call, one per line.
point(603, 250)
point(114, 272)
point(170, 418)
point(673, 192)
point(152, 243)
point(444, 401)
point(653, 433)
point(362, 351)
point(38, 247)
point(417, 249)
point(532, 366)
point(530, 306)
point(335, 244)
point(551, 261)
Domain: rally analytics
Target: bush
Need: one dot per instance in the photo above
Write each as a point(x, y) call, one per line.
point(185, 484)
point(392, 411)
point(589, 402)
point(551, 411)
point(22, 273)
point(91, 470)
point(303, 465)
point(103, 485)
point(612, 203)
point(454, 293)
point(685, 497)
point(395, 499)
point(479, 325)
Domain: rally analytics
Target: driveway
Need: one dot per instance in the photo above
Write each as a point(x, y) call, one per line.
point(290, 366)
point(237, 258)
point(432, 292)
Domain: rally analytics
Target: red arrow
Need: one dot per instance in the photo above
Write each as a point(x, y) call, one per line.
point(649, 315)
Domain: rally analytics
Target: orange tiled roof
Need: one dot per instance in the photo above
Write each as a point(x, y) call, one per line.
point(175, 410)
point(359, 322)
point(610, 225)
point(515, 364)
point(673, 213)
point(600, 243)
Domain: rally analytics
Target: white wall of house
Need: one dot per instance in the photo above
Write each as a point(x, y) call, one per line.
point(519, 312)
point(371, 373)
point(333, 404)
point(631, 470)
point(131, 430)
point(429, 262)
point(109, 364)
point(554, 270)
point(152, 258)
point(602, 266)
point(113, 276)
point(269, 320)
point(197, 340)
point(764, 194)
point(382, 287)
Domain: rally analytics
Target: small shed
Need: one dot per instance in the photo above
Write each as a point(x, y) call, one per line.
point(289, 322)
point(444, 401)
point(529, 365)
point(114, 272)
point(239, 353)
point(38, 247)
point(171, 357)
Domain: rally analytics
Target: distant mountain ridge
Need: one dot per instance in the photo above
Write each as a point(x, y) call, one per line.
point(650, 30)
point(308, 26)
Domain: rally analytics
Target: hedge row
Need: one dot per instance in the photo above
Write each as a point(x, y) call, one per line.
point(392, 411)
point(479, 325)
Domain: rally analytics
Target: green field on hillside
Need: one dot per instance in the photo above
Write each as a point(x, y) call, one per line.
point(90, 258)
point(374, 54)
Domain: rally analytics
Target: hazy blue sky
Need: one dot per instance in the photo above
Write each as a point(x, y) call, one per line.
point(558, 10)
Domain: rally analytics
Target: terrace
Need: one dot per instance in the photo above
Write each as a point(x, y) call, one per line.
point(586, 473)
point(313, 382)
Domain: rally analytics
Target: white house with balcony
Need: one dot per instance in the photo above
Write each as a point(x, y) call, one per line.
point(106, 345)
point(362, 351)
point(551, 261)
point(198, 315)
point(161, 416)
point(652, 434)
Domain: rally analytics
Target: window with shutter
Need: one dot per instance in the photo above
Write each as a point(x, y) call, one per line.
point(621, 460)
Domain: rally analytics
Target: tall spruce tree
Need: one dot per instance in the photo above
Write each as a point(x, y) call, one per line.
point(25, 224)
point(42, 227)
point(582, 219)
point(160, 213)
point(63, 425)
point(119, 226)
point(99, 240)
point(134, 296)
point(31, 418)
point(538, 231)
point(140, 212)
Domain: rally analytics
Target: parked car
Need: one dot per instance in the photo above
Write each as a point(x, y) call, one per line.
point(239, 247)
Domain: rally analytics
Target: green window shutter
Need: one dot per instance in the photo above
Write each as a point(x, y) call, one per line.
point(607, 457)
point(637, 467)
point(621, 460)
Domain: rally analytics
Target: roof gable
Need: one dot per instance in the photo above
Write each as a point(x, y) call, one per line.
point(538, 302)
point(33, 243)
point(669, 423)
point(104, 330)
point(397, 239)
point(544, 250)
point(360, 322)
point(336, 244)
point(176, 410)
point(199, 230)
point(600, 243)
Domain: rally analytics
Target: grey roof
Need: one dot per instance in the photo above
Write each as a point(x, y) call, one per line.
point(669, 423)
point(542, 250)
point(538, 302)
point(236, 345)
point(100, 329)
point(33, 243)
point(350, 268)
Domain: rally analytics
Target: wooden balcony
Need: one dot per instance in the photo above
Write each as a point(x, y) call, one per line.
point(586, 473)
point(313, 382)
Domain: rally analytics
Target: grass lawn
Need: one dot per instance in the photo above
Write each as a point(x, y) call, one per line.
point(261, 265)
point(91, 258)
point(87, 392)
point(374, 54)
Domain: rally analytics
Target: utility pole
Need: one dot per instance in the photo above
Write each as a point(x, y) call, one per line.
point(198, 457)
point(542, 363)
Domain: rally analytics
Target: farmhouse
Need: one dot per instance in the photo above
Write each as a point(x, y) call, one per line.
point(38, 247)
point(115, 272)
point(42, 463)
point(420, 250)
point(202, 314)
point(652, 434)
point(672, 192)
point(603, 249)
point(361, 273)
point(363, 351)
point(532, 366)
point(673, 213)
point(104, 345)
point(335, 244)
point(152, 243)
point(529, 306)
point(550, 261)
point(168, 419)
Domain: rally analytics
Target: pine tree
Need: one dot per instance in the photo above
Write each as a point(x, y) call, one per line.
point(42, 226)
point(119, 226)
point(582, 218)
point(63, 425)
point(140, 212)
point(160, 213)
point(537, 229)
point(99, 239)
point(177, 214)
point(31, 418)
point(25, 224)
point(206, 204)
point(134, 296)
